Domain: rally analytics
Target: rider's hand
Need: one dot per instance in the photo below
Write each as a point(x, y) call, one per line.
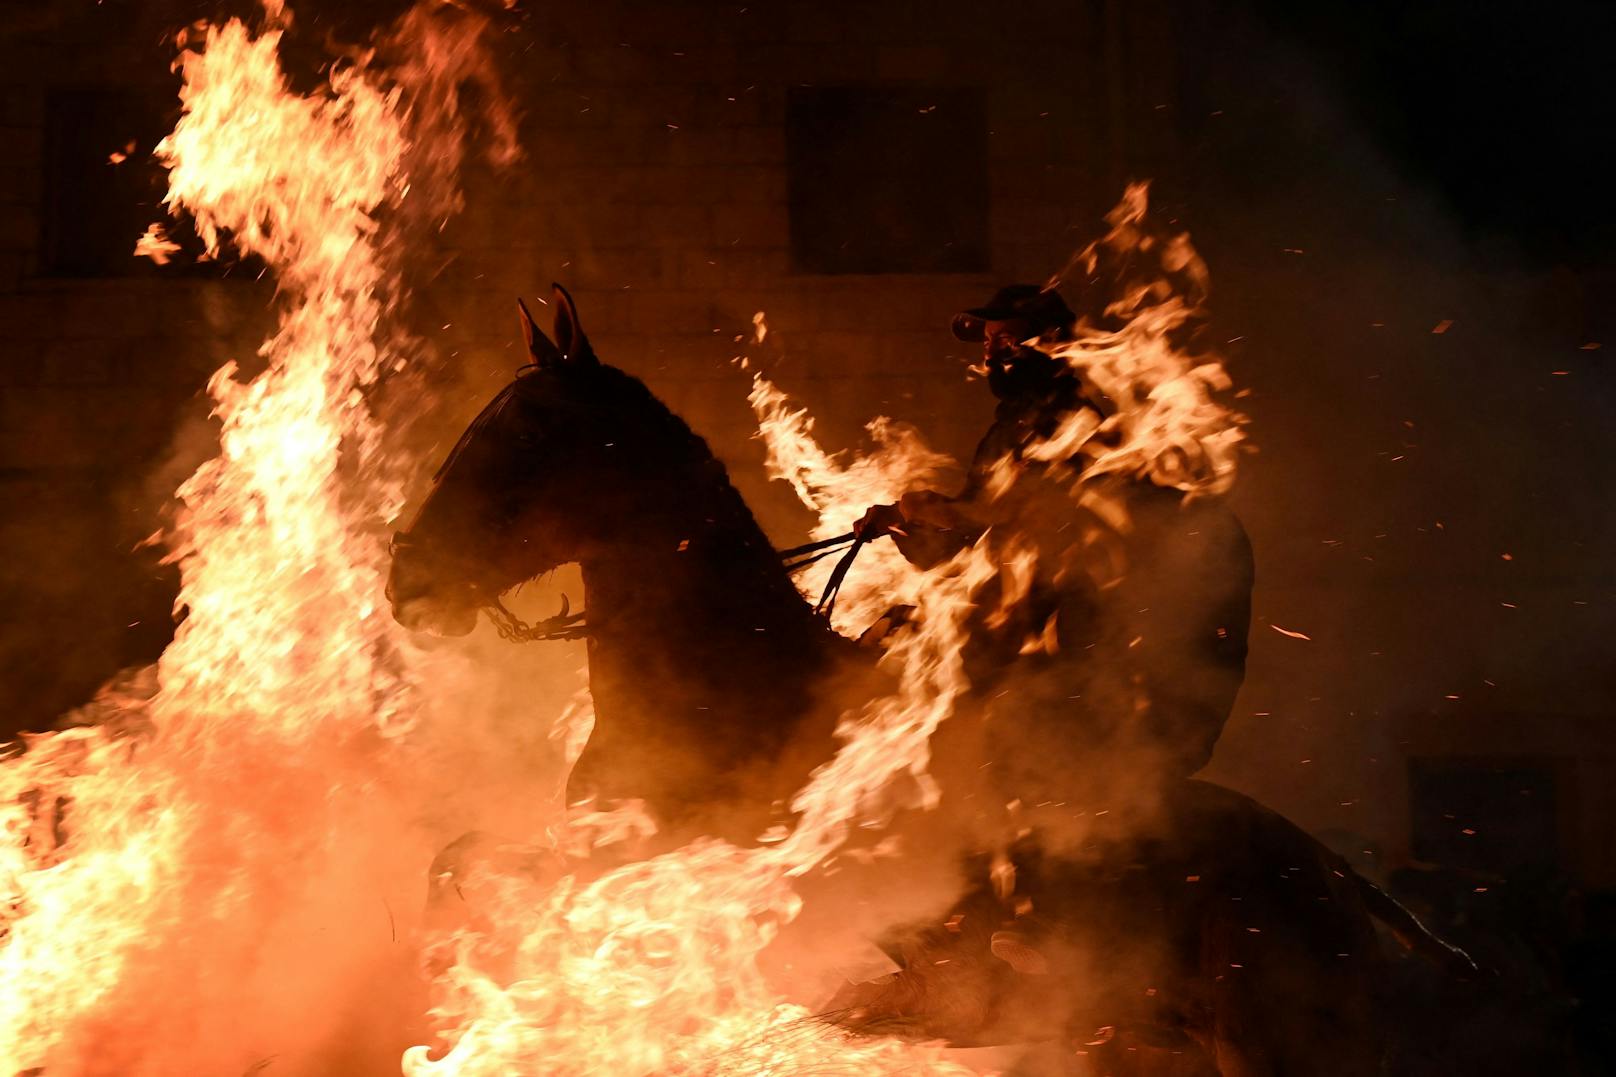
point(927, 507)
point(878, 521)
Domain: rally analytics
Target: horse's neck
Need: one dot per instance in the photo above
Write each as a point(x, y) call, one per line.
point(698, 598)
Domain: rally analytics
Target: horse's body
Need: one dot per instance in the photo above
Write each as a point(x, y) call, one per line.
point(715, 686)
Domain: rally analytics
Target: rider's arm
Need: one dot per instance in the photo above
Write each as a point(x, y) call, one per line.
point(928, 526)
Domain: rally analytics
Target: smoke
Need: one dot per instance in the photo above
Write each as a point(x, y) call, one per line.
point(483, 735)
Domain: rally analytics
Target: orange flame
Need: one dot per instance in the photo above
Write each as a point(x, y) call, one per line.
point(839, 487)
point(176, 871)
point(652, 967)
point(1165, 424)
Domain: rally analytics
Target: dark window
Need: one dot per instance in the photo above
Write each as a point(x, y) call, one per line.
point(1484, 815)
point(888, 180)
point(102, 187)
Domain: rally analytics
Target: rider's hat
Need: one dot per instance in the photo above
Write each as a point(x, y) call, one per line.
point(1041, 308)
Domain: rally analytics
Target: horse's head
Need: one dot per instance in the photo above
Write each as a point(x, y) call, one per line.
point(534, 482)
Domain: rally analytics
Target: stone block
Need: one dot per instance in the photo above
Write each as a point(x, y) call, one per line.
point(750, 225)
point(678, 226)
point(583, 224)
point(21, 105)
point(603, 310)
point(662, 312)
point(733, 104)
point(820, 24)
point(747, 269)
point(760, 145)
point(77, 362)
point(681, 185)
point(594, 184)
point(620, 349)
point(832, 354)
point(757, 183)
point(702, 63)
point(616, 269)
point(699, 269)
point(19, 227)
point(697, 146)
point(586, 25)
point(47, 428)
point(19, 187)
point(620, 63)
point(24, 145)
point(789, 311)
point(913, 63)
point(15, 266)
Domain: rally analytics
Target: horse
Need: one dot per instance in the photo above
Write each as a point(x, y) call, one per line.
point(708, 671)
point(716, 686)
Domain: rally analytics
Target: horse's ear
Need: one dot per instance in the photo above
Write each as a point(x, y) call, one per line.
point(569, 332)
point(538, 345)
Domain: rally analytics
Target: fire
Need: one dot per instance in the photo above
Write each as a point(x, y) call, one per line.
point(222, 859)
point(155, 244)
point(176, 869)
point(1165, 423)
point(653, 967)
point(185, 860)
point(839, 487)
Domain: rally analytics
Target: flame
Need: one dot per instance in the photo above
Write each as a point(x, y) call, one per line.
point(177, 867)
point(155, 244)
point(186, 859)
point(1165, 424)
point(192, 866)
point(839, 487)
point(652, 967)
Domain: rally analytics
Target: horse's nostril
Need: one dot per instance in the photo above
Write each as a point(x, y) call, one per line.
point(440, 619)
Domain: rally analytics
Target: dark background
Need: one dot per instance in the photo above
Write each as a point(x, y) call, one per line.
point(1406, 216)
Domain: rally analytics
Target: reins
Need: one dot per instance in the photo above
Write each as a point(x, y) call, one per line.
point(563, 625)
point(569, 625)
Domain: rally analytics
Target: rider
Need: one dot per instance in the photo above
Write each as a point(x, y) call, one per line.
point(1035, 391)
point(1130, 635)
point(1107, 671)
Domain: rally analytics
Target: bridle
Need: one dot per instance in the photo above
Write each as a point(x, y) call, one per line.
point(568, 625)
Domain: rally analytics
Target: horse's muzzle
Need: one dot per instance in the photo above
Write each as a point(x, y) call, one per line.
point(438, 618)
point(421, 601)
